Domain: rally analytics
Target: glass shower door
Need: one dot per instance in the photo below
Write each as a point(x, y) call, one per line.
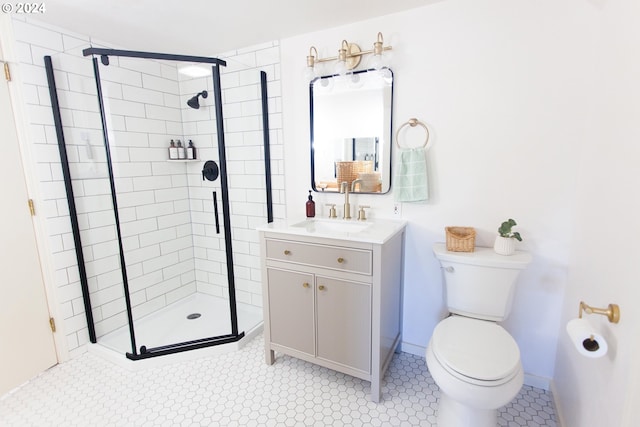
point(154, 232)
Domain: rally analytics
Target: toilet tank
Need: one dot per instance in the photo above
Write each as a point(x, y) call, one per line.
point(480, 284)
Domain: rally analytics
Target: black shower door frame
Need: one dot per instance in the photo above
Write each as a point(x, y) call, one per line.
point(104, 55)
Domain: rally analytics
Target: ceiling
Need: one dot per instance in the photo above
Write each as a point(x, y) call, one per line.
point(208, 27)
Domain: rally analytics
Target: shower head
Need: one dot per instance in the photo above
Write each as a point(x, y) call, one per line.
point(193, 102)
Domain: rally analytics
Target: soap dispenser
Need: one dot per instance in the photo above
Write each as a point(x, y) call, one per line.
point(173, 151)
point(191, 151)
point(181, 153)
point(311, 206)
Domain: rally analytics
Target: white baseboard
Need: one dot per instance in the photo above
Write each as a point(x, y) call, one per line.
point(530, 380)
point(556, 407)
point(537, 382)
point(414, 349)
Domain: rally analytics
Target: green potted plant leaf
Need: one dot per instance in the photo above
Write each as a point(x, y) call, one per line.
point(506, 240)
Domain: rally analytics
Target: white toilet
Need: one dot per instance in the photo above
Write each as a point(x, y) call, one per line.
point(474, 361)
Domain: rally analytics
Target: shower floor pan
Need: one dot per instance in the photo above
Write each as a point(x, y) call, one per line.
point(179, 322)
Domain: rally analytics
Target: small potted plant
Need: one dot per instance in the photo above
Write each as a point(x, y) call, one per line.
point(505, 242)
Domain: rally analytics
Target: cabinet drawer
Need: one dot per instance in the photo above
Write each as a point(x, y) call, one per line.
point(333, 257)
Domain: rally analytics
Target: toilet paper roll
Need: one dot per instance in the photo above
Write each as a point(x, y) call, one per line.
point(587, 341)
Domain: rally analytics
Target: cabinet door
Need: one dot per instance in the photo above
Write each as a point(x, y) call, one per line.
point(344, 322)
point(291, 315)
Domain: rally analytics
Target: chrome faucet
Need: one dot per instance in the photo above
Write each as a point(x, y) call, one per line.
point(346, 211)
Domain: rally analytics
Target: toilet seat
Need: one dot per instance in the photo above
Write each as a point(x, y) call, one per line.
point(476, 351)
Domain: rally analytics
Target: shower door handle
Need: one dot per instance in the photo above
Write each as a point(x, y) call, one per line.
point(215, 212)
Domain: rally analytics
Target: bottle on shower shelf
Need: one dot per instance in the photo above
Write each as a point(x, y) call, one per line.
point(181, 152)
point(191, 151)
point(173, 151)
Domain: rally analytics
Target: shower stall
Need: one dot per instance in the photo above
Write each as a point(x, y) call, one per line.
point(163, 193)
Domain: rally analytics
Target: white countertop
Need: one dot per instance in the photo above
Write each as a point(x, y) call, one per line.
point(376, 231)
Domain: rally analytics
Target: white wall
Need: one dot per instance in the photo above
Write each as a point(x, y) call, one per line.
point(501, 85)
point(604, 252)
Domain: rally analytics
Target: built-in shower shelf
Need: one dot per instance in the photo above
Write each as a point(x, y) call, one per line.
point(182, 160)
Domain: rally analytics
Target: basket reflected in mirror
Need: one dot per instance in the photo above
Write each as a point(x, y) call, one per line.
point(350, 171)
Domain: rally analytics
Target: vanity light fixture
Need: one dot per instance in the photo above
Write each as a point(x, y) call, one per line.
point(377, 61)
point(310, 72)
point(349, 57)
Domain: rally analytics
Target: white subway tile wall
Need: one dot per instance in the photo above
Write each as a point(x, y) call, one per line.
point(165, 209)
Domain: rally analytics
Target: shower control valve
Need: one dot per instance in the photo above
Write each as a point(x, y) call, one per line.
point(210, 171)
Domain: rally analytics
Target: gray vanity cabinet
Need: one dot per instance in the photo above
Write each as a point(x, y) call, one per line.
point(332, 302)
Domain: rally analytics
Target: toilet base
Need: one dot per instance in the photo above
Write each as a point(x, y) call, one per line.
point(463, 404)
point(454, 414)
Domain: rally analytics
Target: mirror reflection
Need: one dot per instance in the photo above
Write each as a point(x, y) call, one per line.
point(351, 131)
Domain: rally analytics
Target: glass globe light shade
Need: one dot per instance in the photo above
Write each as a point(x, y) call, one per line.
point(340, 68)
point(309, 74)
point(376, 62)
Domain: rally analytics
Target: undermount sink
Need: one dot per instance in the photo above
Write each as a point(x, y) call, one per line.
point(332, 226)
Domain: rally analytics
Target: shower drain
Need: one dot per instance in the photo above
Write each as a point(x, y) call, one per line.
point(193, 316)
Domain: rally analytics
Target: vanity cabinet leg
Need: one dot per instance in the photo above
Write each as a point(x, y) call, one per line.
point(376, 392)
point(270, 356)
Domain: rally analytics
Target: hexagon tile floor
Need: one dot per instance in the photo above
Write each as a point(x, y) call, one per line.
point(239, 389)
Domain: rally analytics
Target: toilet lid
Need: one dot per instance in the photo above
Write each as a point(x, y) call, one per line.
point(476, 349)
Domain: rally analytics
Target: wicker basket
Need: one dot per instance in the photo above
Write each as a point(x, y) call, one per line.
point(348, 171)
point(460, 239)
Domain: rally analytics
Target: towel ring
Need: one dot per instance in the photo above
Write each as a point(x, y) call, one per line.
point(413, 123)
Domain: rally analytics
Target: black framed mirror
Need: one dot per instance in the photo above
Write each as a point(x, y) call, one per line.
point(351, 119)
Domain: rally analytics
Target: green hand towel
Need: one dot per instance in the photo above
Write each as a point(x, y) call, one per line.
point(411, 183)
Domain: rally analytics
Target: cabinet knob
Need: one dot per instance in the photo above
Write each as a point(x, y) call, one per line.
point(340, 260)
point(305, 285)
point(287, 252)
point(321, 288)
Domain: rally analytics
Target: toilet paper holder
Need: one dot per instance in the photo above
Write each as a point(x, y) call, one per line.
point(612, 311)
